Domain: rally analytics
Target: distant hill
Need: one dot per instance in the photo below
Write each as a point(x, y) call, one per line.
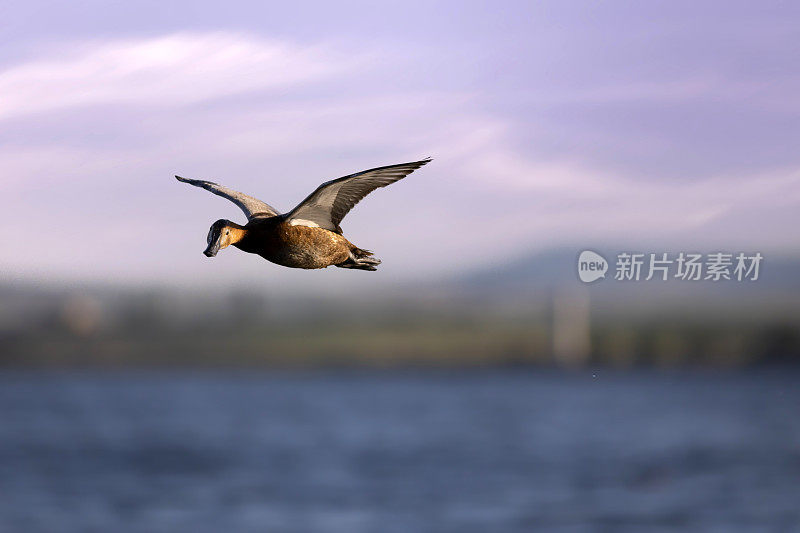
point(776, 293)
point(558, 266)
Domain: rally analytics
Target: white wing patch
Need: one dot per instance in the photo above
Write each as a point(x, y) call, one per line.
point(302, 222)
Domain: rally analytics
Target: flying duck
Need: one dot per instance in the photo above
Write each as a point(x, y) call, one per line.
point(308, 236)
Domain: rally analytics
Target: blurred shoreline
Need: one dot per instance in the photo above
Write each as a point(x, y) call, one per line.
point(547, 328)
point(529, 312)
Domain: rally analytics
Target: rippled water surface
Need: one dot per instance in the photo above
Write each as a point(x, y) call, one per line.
point(400, 452)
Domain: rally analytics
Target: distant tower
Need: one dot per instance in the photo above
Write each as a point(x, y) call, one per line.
point(570, 326)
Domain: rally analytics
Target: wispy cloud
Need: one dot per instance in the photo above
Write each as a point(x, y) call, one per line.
point(182, 68)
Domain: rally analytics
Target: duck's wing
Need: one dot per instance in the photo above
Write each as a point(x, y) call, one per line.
point(327, 206)
point(252, 207)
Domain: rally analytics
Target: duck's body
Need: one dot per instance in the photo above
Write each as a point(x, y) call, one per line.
point(309, 236)
point(278, 241)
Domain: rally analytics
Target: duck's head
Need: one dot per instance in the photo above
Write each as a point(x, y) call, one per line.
point(222, 234)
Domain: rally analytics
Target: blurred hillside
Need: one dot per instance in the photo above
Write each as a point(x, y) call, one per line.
point(530, 311)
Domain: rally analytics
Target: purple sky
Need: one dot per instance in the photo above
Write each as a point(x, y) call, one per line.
point(550, 123)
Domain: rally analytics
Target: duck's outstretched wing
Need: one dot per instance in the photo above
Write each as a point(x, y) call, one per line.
point(252, 207)
point(327, 206)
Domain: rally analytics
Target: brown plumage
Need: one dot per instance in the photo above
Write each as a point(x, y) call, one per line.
point(309, 236)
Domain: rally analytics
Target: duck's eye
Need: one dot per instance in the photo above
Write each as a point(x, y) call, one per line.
point(227, 232)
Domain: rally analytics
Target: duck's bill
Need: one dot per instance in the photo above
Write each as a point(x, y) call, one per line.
point(212, 249)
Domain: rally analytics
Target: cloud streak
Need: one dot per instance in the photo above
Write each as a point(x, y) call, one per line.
point(176, 69)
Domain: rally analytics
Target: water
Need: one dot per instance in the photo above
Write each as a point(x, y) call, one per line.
point(410, 452)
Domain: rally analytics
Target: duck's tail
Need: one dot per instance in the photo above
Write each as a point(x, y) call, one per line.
point(360, 259)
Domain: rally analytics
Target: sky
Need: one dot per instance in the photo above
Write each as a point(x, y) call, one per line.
point(550, 124)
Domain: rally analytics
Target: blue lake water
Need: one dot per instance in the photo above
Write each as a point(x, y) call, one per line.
point(495, 451)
